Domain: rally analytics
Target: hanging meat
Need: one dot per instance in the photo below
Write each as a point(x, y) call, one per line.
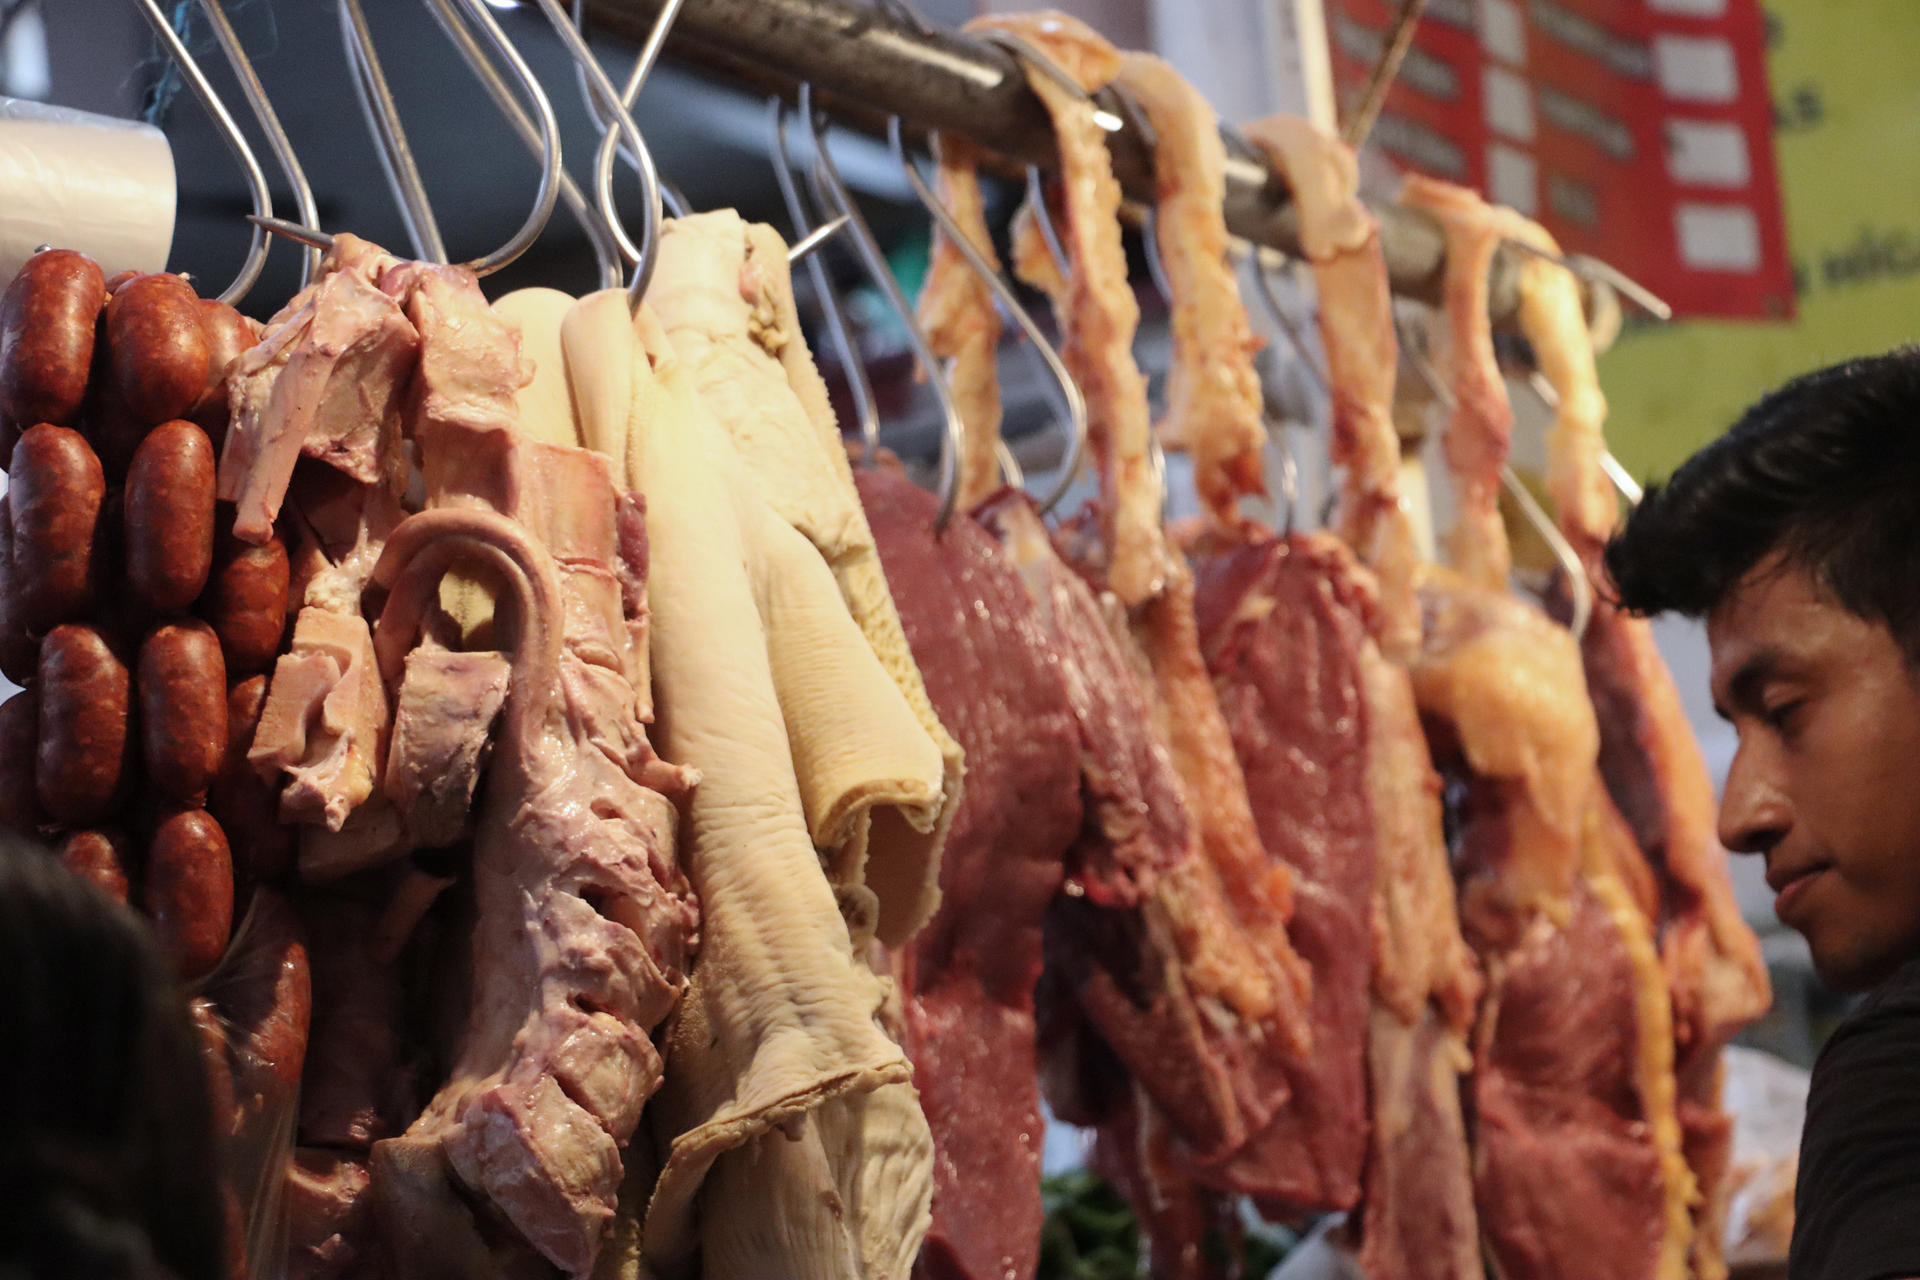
point(963, 327)
point(1577, 1159)
point(1213, 393)
point(1091, 298)
point(1297, 636)
point(966, 981)
point(1649, 758)
point(793, 1144)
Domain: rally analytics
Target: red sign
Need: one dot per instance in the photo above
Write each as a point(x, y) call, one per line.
point(1638, 131)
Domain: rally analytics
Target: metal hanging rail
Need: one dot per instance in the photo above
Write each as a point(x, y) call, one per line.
point(871, 64)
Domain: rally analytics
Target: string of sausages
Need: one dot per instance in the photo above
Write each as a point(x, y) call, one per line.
point(141, 639)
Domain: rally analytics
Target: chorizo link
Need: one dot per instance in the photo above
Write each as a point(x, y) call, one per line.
point(183, 708)
point(228, 335)
point(246, 601)
point(81, 758)
point(55, 490)
point(18, 653)
point(248, 806)
point(169, 516)
point(20, 809)
point(100, 858)
point(47, 324)
point(189, 891)
point(157, 346)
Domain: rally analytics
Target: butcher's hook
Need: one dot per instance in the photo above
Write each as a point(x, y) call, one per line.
point(383, 118)
point(605, 252)
point(649, 52)
point(1622, 481)
point(647, 252)
point(1263, 285)
point(1591, 268)
point(1074, 404)
point(1416, 353)
point(1150, 217)
point(1027, 55)
point(1289, 479)
point(235, 140)
point(830, 191)
point(269, 122)
point(1563, 552)
point(866, 409)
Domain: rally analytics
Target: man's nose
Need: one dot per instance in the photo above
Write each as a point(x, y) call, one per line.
point(1754, 812)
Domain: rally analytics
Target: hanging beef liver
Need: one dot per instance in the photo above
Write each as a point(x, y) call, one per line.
point(967, 978)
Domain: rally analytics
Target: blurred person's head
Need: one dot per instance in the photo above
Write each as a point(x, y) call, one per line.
point(1796, 537)
point(107, 1157)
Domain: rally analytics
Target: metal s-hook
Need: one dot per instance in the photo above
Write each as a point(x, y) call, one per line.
point(1622, 481)
point(550, 166)
point(831, 191)
point(1270, 301)
point(1027, 55)
point(1150, 217)
point(610, 138)
point(866, 409)
point(652, 211)
point(235, 140)
point(1563, 552)
point(389, 134)
point(1595, 269)
point(269, 122)
point(1416, 353)
point(396, 157)
point(1071, 399)
point(605, 252)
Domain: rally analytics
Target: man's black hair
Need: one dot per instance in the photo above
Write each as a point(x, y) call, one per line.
point(108, 1163)
point(1825, 470)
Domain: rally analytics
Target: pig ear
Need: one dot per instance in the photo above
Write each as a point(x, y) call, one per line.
point(597, 339)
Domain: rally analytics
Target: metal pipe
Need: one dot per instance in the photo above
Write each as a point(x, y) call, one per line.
point(872, 64)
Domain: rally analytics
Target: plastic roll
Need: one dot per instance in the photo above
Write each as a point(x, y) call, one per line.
point(76, 180)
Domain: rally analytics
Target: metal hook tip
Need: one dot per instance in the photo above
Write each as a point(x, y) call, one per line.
point(292, 231)
point(815, 238)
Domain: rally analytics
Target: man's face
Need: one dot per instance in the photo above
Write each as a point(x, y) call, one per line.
point(1826, 782)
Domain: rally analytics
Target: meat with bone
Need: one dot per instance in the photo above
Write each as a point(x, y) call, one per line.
point(723, 293)
point(325, 723)
point(327, 381)
point(583, 934)
point(967, 979)
point(956, 308)
point(1093, 303)
point(1648, 755)
point(1213, 393)
point(794, 1144)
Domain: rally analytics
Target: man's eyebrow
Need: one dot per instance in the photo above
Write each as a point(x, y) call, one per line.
point(1743, 688)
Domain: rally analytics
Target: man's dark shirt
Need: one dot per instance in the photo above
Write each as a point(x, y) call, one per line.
point(1856, 1207)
